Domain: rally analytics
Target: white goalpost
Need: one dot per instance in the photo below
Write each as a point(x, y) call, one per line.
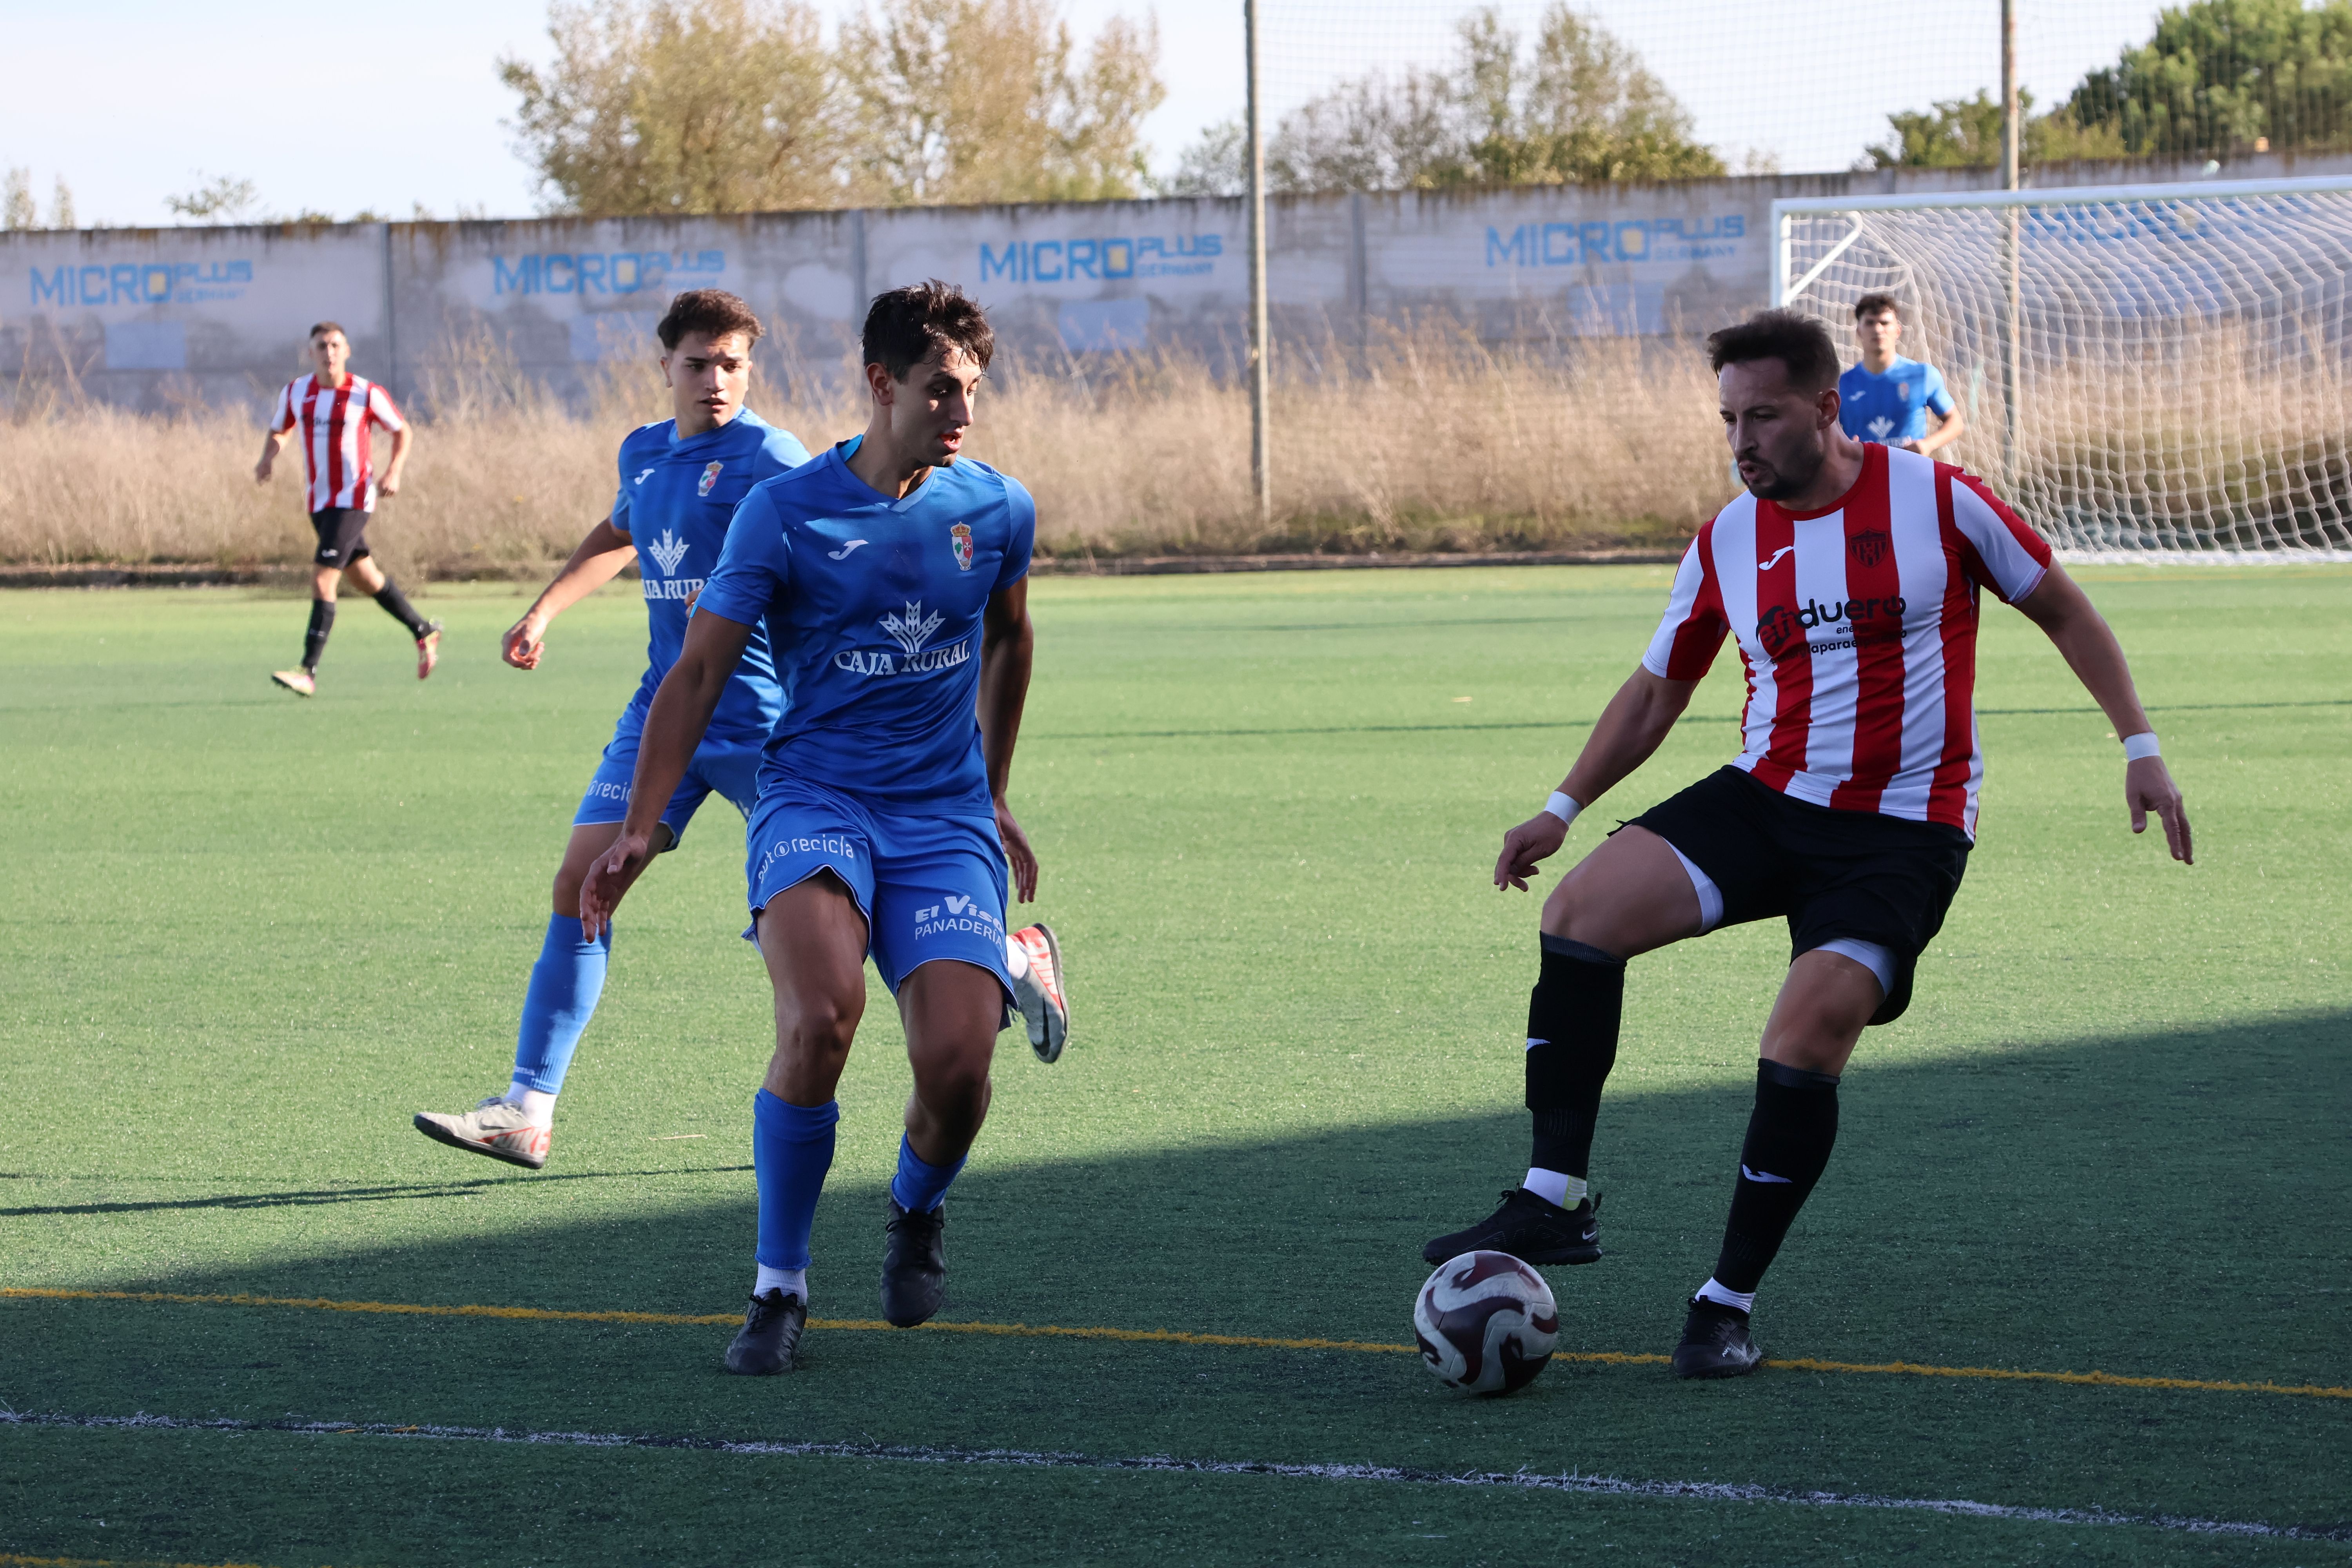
point(2149, 372)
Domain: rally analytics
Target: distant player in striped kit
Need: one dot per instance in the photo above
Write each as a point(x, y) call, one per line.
point(1850, 576)
point(336, 413)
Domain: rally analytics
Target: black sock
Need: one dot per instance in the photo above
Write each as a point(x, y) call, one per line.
point(1789, 1139)
point(396, 605)
point(314, 641)
point(1571, 1044)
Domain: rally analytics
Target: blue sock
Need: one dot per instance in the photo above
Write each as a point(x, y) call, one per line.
point(919, 1188)
point(792, 1149)
point(565, 985)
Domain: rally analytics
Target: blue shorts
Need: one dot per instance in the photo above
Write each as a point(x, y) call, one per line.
point(730, 769)
point(929, 886)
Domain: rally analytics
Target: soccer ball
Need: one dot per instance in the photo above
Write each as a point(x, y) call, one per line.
point(1487, 1323)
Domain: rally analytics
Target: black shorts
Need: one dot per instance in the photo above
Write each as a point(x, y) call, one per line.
point(1831, 873)
point(342, 535)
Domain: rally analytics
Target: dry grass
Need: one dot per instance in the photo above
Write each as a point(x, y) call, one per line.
point(1424, 441)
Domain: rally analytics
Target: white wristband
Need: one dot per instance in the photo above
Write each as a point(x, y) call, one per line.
point(2140, 746)
point(1563, 806)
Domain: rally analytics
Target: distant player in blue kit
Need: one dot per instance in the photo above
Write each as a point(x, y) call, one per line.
point(1887, 398)
point(891, 578)
point(679, 482)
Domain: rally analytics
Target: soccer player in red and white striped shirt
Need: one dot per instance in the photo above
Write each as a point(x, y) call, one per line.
point(1851, 576)
point(336, 413)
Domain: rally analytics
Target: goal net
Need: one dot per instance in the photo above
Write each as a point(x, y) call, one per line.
point(2147, 371)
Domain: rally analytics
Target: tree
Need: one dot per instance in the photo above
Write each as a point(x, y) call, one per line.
point(969, 100)
point(1215, 165)
point(1581, 107)
point(683, 106)
point(2220, 75)
point(1576, 105)
point(223, 199)
point(17, 206)
point(62, 204)
point(675, 106)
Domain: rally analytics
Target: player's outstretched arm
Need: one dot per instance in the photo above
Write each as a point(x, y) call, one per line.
point(1630, 729)
point(2065, 613)
point(596, 561)
point(1006, 641)
point(674, 727)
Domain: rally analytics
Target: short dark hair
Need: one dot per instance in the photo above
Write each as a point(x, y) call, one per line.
point(903, 327)
point(325, 327)
point(1800, 342)
point(713, 311)
point(1870, 303)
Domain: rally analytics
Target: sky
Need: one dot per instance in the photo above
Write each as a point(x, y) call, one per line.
point(386, 108)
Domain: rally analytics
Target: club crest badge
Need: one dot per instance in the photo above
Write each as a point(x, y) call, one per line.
point(1869, 546)
point(710, 478)
point(959, 540)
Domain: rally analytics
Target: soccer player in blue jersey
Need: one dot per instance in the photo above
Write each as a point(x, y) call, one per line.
point(1887, 398)
point(679, 482)
point(891, 577)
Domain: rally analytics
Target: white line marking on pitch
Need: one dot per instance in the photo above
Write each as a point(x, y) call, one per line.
point(1526, 1480)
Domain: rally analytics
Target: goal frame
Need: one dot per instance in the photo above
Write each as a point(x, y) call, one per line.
point(1786, 289)
point(1786, 208)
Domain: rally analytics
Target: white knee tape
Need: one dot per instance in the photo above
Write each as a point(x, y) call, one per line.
point(1878, 959)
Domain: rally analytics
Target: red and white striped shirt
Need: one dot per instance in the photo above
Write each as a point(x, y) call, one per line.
point(335, 423)
point(1858, 628)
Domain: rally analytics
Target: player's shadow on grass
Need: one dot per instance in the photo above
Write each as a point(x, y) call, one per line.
point(2000, 1208)
point(312, 1197)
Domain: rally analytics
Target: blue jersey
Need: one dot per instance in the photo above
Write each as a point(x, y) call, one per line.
point(1893, 407)
point(676, 500)
point(874, 609)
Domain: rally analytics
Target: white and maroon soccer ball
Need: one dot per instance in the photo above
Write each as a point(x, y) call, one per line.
point(1487, 1323)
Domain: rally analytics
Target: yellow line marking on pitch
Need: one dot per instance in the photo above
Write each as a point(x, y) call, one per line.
point(1162, 1336)
point(17, 1560)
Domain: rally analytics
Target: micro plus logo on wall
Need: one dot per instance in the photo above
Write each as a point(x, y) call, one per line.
point(1088, 261)
point(604, 271)
point(141, 283)
point(1625, 239)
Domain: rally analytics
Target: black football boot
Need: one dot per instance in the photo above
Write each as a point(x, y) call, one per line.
point(914, 1265)
point(1530, 1228)
point(769, 1339)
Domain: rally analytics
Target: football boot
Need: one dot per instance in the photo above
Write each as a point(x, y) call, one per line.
point(428, 650)
point(914, 1265)
point(1529, 1227)
point(1715, 1342)
point(494, 1128)
point(301, 682)
point(769, 1339)
point(1038, 992)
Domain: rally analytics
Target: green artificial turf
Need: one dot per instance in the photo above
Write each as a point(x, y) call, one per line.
point(245, 936)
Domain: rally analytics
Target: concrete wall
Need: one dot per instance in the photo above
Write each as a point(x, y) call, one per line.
point(146, 318)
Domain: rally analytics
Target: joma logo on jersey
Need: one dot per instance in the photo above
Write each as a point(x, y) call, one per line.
point(710, 478)
point(668, 551)
point(960, 542)
point(1779, 627)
